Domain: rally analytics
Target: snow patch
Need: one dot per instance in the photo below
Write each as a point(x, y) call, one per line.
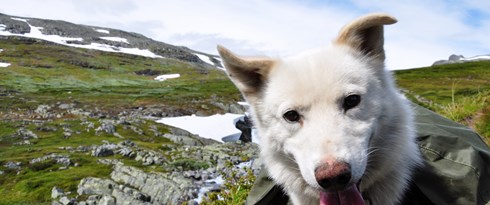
point(19, 19)
point(167, 76)
point(2, 27)
point(116, 39)
point(477, 58)
point(204, 58)
point(243, 103)
point(102, 31)
point(4, 65)
point(213, 127)
point(1, 50)
point(222, 67)
point(36, 33)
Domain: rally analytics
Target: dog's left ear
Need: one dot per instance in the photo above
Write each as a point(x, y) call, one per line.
point(365, 34)
point(247, 73)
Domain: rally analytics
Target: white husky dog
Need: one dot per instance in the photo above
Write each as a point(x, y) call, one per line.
point(333, 128)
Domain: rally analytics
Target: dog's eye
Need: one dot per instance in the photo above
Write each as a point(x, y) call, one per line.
point(351, 101)
point(292, 116)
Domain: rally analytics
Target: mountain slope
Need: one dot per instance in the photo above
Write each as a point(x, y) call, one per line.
point(99, 38)
point(40, 68)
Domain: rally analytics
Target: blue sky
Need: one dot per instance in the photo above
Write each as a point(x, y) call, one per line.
point(428, 30)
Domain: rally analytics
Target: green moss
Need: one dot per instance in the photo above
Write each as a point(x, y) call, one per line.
point(190, 164)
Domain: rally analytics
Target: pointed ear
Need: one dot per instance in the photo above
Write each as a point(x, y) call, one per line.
point(365, 34)
point(248, 74)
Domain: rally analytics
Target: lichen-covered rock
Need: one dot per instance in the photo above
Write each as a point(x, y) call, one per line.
point(107, 200)
point(57, 192)
point(162, 188)
point(13, 165)
point(25, 134)
point(64, 160)
point(96, 186)
point(104, 150)
point(106, 126)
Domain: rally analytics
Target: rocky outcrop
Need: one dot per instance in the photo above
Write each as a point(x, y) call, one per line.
point(461, 59)
point(129, 185)
point(63, 160)
point(163, 188)
point(104, 150)
point(181, 183)
point(13, 165)
point(25, 134)
point(178, 170)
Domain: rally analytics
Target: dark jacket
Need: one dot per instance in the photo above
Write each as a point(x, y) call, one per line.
point(456, 171)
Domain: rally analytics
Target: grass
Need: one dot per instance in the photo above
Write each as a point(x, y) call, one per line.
point(459, 92)
point(34, 187)
point(45, 72)
point(236, 189)
point(441, 84)
point(32, 184)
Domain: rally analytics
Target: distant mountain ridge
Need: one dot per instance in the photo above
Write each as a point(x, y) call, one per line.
point(461, 59)
point(100, 38)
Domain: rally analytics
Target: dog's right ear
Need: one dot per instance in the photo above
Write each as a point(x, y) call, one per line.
point(249, 74)
point(365, 34)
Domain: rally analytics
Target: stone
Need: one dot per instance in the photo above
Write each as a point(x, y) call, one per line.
point(455, 57)
point(93, 199)
point(42, 109)
point(26, 134)
point(137, 130)
point(54, 202)
point(104, 150)
point(13, 165)
point(106, 126)
point(65, 106)
point(162, 188)
point(47, 129)
point(66, 134)
point(126, 151)
point(57, 192)
point(66, 201)
point(60, 159)
point(107, 200)
point(93, 185)
point(108, 161)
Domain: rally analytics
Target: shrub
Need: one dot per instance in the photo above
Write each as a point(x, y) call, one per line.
point(236, 188)
point(42, 165)
point(190, 164)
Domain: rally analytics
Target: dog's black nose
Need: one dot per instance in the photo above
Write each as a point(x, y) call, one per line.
point(333, 176)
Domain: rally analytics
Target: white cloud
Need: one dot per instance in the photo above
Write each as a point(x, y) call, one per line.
point(427, 30)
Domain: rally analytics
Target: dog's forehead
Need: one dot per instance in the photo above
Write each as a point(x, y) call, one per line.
point(330, 72)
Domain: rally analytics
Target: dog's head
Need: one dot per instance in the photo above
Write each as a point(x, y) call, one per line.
point(319, 109)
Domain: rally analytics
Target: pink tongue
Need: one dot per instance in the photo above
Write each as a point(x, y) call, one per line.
point(351, 196)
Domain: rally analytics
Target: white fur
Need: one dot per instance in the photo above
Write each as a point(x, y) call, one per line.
point(376, 137)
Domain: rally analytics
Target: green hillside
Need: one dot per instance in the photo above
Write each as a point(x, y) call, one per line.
point(45, 78)
point(460, 92)
point(43, 72)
